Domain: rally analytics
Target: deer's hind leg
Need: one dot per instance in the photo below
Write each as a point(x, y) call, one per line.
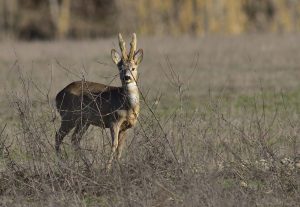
point(65, 128)
point(79, 131)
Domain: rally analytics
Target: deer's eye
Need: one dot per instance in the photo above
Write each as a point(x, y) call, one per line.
point(133, 69)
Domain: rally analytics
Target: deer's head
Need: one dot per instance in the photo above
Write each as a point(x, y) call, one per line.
point(127, 63)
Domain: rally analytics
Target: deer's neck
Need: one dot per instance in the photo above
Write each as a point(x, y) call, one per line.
point(132, 95)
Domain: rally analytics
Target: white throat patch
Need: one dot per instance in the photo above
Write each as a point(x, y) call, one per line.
point(131, 85)
point(133, 93)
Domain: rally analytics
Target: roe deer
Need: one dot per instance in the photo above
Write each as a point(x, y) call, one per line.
point(82, 104)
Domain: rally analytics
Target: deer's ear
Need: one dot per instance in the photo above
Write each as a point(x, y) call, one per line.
point(138, 56)
point(115, 56)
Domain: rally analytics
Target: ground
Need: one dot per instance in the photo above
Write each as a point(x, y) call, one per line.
point(219, 124)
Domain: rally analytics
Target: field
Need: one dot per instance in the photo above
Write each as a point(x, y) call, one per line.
point(219, 124)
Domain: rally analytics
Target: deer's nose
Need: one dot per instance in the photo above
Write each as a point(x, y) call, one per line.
point(127, 78)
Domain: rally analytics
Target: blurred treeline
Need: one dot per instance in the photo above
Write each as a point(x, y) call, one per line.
point(49, 19)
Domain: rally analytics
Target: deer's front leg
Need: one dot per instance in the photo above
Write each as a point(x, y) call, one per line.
point(122, 136)
point(114, 130)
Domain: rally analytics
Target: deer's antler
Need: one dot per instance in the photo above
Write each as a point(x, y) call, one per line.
point(122, 47)
point(132, 46)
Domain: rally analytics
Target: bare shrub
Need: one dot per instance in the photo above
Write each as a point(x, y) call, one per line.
point(225, 152)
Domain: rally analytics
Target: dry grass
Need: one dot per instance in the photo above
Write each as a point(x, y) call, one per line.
point(219, 125)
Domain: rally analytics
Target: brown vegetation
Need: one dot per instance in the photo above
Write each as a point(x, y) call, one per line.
point(34, 19)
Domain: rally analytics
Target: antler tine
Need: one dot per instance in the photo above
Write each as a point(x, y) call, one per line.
point(122, 47)
point(132, 46)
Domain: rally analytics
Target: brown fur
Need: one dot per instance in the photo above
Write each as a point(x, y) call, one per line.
point(77, 88)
